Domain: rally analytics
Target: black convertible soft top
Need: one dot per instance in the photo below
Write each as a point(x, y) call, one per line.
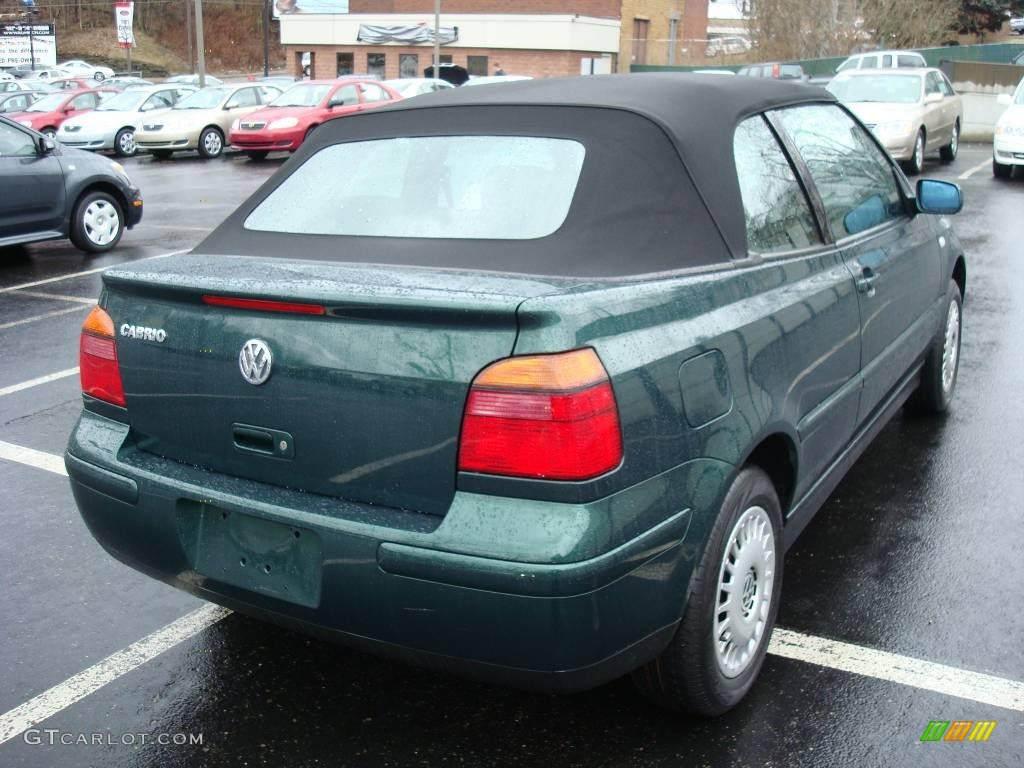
point(638, 209)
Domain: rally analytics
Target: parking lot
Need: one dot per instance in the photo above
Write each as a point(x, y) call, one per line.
point(903, 600)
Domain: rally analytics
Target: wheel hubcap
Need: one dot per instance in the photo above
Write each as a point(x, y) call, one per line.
point(745, 583)
point(919, 152)
point(128, 143)
point(955, 143)
point(212, 143)
point(951, 347)
point(101, 222)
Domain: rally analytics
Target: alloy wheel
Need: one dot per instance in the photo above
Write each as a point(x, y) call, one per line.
point(126, 143)
point(212, 143)
point(745, 585)
point(951, 347)
point(101, 222)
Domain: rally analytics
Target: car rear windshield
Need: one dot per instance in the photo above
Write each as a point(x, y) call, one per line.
point(887, 89)
point(301, 96)
point(455, 187)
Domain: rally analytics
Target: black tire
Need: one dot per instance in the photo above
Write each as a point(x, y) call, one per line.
point(93, 237)
point(687, 676)
point(1001, 171)
point(948, 153)
point(162, 154)
point(124, 143)
point(211, 143)
point(935, 392)
point(915, 164)
point(98, 77)
point(49, 132)
point(257, 155)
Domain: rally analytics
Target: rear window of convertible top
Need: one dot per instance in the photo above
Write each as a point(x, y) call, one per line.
point(455, 187)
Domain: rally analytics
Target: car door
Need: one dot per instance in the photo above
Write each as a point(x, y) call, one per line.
point(343, 101)
point(818, 326)
point(936, 109)
point(894, 257)
point(33, 185)
point(83, 102)
point(950, 101)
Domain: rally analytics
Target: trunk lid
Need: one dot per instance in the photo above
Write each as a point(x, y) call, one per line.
point(364, 402)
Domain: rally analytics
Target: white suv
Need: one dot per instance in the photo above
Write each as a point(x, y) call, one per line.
point(883, 60)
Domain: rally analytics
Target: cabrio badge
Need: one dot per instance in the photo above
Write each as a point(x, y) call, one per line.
point(142, 332)
point(255, 361)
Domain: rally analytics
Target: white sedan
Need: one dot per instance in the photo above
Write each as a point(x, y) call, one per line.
point(1008, 143)
point(79, 68)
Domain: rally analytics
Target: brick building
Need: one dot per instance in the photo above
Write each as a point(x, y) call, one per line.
point(540, 38)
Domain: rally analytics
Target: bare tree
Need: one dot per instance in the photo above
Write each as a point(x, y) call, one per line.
point(803, 29)
point(910, 23)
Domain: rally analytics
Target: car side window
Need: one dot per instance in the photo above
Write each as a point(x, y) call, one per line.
point(83, 101)
point(268, 94)
point(15, 143)
point(247, 97)
point(777, 212)
point(852, 175)
point(848, 65)
point(946, 86)
point(931, 83)
point(886, 61)
point(345, 96)
point(869, 62)
point(373, 92)
point(157, 101)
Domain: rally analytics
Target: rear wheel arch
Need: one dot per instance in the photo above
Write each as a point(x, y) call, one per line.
point(776, 455)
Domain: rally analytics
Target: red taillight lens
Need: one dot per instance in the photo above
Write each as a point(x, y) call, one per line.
point(542, 416)
point(97, 359)
point(291, 307)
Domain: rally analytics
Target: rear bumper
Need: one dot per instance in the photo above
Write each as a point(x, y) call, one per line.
point(579, 599)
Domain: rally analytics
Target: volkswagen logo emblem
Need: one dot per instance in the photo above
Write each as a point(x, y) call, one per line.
point(255, 361)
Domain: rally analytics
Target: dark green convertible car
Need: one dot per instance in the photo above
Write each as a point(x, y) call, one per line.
point(533, 383)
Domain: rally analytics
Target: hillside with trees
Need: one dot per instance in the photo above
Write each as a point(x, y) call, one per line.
point(232, 29)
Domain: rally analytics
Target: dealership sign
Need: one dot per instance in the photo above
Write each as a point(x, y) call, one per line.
point(17, 45)
point(123, 16)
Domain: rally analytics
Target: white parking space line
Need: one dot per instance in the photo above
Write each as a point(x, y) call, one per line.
point(85, 272)
point(927, 675)
point(12, 388)
point(57, 297)
point(186, 229)
point(979, 167)
point(63, 695)
point(32, 458)
point(44, 316)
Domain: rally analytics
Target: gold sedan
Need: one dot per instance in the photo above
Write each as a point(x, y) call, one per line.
point(911, 111)
point(202, 120)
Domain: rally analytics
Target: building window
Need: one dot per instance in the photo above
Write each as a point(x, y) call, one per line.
point(446, 58)
point(346, 64)
point(408, 65)
point(640, 28)
point(375, 64)
point(477, 66)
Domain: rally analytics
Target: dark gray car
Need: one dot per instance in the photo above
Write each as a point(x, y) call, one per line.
point(52, 193)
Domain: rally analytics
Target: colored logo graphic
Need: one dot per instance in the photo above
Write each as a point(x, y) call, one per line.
point(958, 730)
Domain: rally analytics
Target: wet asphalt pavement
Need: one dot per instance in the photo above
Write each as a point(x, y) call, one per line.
point(918, 553)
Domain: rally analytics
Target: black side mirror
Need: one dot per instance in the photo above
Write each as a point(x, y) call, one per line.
point(46, 145)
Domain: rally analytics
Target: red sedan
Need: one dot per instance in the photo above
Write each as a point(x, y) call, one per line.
point(286, 122)
point(49, 112)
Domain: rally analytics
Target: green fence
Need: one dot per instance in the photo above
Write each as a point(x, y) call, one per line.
point(992, 53)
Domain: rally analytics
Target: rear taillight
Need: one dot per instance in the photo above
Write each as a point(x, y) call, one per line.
point(776, 71)
point(542, 416)
point(97, 359)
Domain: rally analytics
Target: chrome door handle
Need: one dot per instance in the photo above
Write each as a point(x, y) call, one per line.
point(866, 282)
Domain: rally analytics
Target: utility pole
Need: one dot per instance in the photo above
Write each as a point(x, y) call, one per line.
point(266, 38)
point(200, 46)
point(188, 34)
point(437, 39)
